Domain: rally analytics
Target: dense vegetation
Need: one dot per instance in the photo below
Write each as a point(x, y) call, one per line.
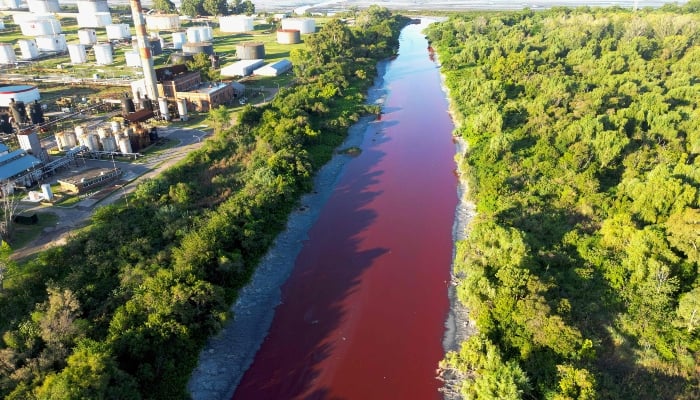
point(581, 266)
point(122, 310)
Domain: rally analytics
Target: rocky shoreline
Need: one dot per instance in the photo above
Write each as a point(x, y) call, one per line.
point(223, 362)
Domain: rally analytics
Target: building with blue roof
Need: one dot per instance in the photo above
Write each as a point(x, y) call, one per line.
point(16, 164)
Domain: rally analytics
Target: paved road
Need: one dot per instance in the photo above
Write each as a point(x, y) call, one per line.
point(71, 218)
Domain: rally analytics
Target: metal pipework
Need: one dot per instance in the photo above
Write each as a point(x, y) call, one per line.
point(149, 73)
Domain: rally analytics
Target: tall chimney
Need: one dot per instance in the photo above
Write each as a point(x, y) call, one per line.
point(149, 73)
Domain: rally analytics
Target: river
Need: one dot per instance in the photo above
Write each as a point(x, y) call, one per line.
point(363, 313)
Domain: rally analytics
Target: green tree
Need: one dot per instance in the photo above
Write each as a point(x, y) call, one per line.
point(191, 8)
point(164, 6)
point(215, 7)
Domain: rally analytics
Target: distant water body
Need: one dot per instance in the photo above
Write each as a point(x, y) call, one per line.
point(302, 6)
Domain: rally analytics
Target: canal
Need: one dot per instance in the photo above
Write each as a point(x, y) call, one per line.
point(363, 313)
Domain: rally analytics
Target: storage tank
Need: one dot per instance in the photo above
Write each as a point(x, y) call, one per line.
point(51, 43)
point(115, 126)
point(2, 24)
point(87, 36)
point(196, 48)
point(42, 26)
point(178, 39)
point(46, 191)
point(133, 59)
point(303, 25)
point(236, 24)
point(96, 20)
point(7, 54)
point(124, 143)
point(103, 54)
point(180, 58)
point(61, 141)
point(206, 33)
point(163, 108)
point(43, 6)
point(117, 31)
point(28, 49)
point(109, 143)
point(155, 45)
point(77, 53)
point(182, 109)
point(103, 132)
point(70, 139)
point(194, 35)
point(92, 6)
point(288, 36)
point(250, 51)
point(90, 140)
point(162, 22)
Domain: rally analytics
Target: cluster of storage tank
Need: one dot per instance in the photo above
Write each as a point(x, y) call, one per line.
point(93, 14)
point(111, 138)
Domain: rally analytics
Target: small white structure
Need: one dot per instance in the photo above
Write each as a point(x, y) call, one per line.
point(77, 53)
point(206, 33)
point(241, 68)
point(40, 27)
point(96, 20)
point(236, 24)
point(46, 191)
point(194, 35)
point(163, 108)
point(162, 22)
point(118, 31)
point(103, 54)
point(51, 43)
point(178, 39)
point(2, 24)
point(303, 25)
point(7, 54)
point(133, 59)
point(274, 69)
point(92, 6)
point(43, 6)
point(28, 49)
point(87, 36)
point(182, 109)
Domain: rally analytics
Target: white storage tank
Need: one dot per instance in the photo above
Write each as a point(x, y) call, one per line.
point(40, 27)
point(182, 109)
point(43, 6)
point(87, 36)
point(77, 53)
point(96, 20)
point(303, 25)
point(115, 126)
point(28, 49)
point(236, 24)
point(2, 24)
point(61, 141)
point(206, 33)
point(7, 54)
point(103, 54)
point(79, 131)
point(109, 143)
point(163, 108)
point(133, 59)
point(102, 132)
point(194, 35)
point(162, 22)
point(52, 43)
point(178, 39)
point(118, 31)
point(46, 191)
point(70, 139)
point(288, 36)
point(25, 93)
point(89, 140)
point(124, 143)
point(92, 6)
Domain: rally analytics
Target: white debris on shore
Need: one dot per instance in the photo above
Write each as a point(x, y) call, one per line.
point(229, 354)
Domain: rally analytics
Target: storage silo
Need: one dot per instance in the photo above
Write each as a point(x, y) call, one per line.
point(43, 6)
point(51, 43)
point(46, 191)
point(28, 49)
point(89, 140)
point(124, 143)
point(92, 6)
point(206, 33)
point(303, 25)
point(196, 48)
point(102, 132)
point(40, 26)
point(236, 24)
point(118, 31)
point(250, 51)
point(180, 58)
point(96, 20)
point(77, 53)
point(109, 143)
point(194, 35)
point(178, 39)
point(288, 36)
point(163, 108)
point(7, 54)
point(133, 59)
point(162, 22)
point(182, 109)
point(103, 54)
point(115, 126)
point(87, 36)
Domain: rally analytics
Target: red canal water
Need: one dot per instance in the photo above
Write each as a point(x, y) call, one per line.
point(363, 312)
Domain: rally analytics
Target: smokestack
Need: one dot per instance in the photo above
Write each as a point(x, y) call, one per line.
point(149, 73)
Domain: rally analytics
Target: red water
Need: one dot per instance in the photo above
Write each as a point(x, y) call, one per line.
point(363, 313)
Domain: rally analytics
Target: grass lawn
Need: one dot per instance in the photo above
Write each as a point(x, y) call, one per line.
point(23, 234)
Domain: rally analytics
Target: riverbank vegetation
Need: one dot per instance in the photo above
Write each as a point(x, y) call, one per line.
point(581, 267)
point(123, 309)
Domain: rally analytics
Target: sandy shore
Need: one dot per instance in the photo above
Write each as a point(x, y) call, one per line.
point(228, 355)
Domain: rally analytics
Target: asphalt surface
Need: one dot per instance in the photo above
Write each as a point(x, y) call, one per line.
point(78, 215)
